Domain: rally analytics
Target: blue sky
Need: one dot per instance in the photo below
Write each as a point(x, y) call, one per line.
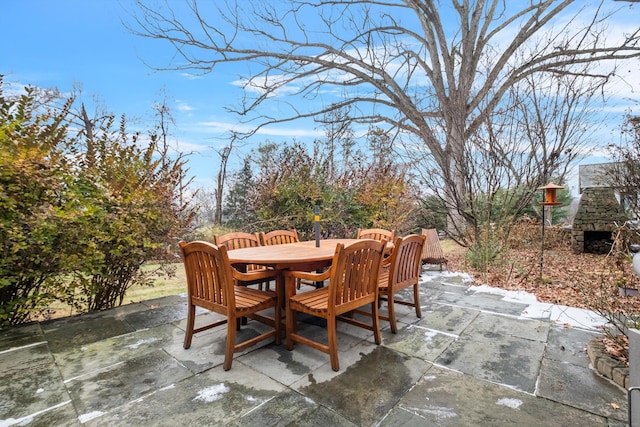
point(82, 43)
point(67, 43)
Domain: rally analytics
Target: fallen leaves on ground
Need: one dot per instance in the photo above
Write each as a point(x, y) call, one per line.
point(559, 276)
point(576, 280)
point(618, 348)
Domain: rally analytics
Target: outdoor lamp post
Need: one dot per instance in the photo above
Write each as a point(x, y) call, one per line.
point(549, 198)
point(316, 220)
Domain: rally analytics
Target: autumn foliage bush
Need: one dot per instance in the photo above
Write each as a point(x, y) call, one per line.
point(79, 215)
point(355, 187)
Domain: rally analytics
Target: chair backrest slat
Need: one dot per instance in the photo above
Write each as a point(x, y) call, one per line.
point(237, 240)
point(377, 234)
point(208, 271)
point(354, 274)
point(406, 260)
point(279, 237)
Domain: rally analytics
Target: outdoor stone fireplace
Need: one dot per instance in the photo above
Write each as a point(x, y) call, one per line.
point(595, 220)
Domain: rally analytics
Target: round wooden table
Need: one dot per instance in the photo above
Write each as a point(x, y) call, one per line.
point(300, 256)
point(303, 256)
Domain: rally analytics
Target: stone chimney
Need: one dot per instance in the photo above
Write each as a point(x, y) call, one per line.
point(598, 213)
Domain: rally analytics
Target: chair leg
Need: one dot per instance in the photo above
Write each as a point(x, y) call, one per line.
point(291, 327)
point(230, 345)
point(416, 299)
point(392, 313)
point(333, 343)
point(376, 323)
point(191, 318)
point(277, 318)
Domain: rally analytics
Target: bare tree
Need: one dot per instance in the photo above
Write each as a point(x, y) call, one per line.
point(624, 172)
point(412, 65)
point(224, 153)
point(174, 160)
point(544, 124)
point(205, 202)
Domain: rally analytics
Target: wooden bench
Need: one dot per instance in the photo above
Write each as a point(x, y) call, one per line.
point(432, 251)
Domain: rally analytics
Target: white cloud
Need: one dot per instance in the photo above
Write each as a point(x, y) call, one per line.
point(189, 147)
point(259, 84)
point(183, 106)
point(191, 76)
point(12, 89)
point(216, 126)
point(177, 144)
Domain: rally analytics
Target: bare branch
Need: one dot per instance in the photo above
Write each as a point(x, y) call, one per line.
point(403, 63)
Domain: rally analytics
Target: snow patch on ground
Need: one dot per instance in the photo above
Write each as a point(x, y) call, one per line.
point(89, 416)
point(510, 402)
point(426, 277)
point(31, 417)
point(141, 342)
point(169, 387)
point(570, 316)
point(440, 412)
point(213, 393)
point(429, 335)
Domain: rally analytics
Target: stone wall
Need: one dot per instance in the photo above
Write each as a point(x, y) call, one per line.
point(599, 210)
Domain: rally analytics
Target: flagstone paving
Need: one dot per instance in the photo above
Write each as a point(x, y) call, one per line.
point(475, 358)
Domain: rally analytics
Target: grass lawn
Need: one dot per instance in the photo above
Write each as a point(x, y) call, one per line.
point(450, 247)
point(164, 285)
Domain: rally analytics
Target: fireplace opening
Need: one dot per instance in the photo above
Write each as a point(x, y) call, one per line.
point(597, 242)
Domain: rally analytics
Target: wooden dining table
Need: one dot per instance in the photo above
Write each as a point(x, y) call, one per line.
point(303, 256)
point(300, 256)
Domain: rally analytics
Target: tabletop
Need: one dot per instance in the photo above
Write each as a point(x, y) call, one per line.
point(288, 255)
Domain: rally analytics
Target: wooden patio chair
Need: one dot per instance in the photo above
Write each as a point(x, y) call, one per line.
point(376, 234)
point(278, 237)
point(239, 240)
point(399, 271)
point(353, 283)
point(211, 284)
point(432, 251)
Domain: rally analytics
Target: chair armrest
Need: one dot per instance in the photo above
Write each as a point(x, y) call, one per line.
point(386, 262)
point(254, 275)
point(315, 277)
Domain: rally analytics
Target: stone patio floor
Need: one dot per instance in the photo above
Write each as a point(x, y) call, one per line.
point(476, 358)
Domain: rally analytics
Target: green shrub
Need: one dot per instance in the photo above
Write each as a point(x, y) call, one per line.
point(38, 206)
point(483, 252)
